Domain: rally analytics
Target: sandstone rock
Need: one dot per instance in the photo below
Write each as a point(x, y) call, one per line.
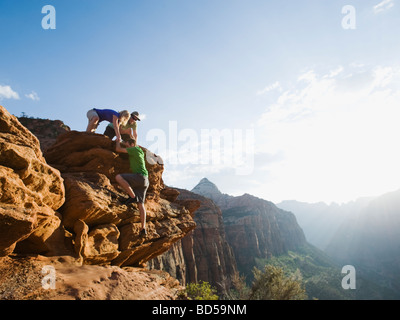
point(45, 130)
point(91, 224)
point(173, 261)
point(16, 224)
point(207, 255)
point(169, 194)
point(162, 234)
point(30, 189)
point(89, 165)
point(102, 244)
point(21, 279)
point(213, 256)
point(76, 152)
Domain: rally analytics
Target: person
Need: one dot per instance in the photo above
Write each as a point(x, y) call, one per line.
point(136, 183)
point(96, 116)
point(128, 131)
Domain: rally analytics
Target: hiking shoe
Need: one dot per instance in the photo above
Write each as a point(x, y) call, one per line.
point(131, 200)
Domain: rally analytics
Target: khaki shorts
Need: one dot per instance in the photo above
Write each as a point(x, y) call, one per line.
point(91, 114)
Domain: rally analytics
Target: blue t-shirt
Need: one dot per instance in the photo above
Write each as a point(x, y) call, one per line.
point(106, 114)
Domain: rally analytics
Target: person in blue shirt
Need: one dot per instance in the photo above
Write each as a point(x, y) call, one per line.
point(95, 116)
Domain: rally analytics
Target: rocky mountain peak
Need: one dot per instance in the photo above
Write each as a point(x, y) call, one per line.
point(205, 188)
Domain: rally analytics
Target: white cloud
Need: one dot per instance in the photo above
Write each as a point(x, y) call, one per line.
point(7, 93)
point(338, 132)
point(33, 96)
point(384, 5)
point(274, 86)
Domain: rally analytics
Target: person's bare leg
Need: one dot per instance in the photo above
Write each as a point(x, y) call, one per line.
point(92, 125)
point(125, 185)
point(142, 211)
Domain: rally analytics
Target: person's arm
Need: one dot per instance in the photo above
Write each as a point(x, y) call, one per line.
point(116, 127)
point(118, 147)
point(134, 134)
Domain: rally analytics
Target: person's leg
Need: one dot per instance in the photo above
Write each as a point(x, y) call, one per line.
point(109, 132)
point(125, 185)
point(142, 211)
point(93, 121)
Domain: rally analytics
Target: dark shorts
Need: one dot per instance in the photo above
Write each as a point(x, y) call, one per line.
point(110, 132)
point(139, 184)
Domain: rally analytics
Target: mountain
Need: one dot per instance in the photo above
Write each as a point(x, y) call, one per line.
point(254, 228)
point(209, 190)
point(260, 233)
point(370, 240)
point(363, 233)
point(321, 221)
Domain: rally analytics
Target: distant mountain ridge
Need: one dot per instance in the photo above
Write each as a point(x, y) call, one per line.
point(260, 233)
point(371, 241)
point(255, 228)
point(321, 221)
point(363, 233)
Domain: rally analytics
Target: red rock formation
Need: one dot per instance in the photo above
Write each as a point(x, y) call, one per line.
point(78, 213)
point(207, 255)
point(30, 189)
point(255, 228)
point(45, 130)
point(89, 165)
point(212, 259)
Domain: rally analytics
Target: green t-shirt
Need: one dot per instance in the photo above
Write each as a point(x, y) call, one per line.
point(136, 160)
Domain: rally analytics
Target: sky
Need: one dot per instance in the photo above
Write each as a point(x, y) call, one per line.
point(284, 100)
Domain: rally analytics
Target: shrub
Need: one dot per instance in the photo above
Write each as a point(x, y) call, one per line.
point(272, 284)
point(200, 291)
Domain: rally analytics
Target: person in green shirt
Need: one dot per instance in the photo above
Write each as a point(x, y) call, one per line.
point(135, 183)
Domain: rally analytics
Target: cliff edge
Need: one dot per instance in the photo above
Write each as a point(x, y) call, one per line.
point(66, 203)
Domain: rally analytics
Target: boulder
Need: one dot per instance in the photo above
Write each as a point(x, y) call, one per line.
point(30, 189)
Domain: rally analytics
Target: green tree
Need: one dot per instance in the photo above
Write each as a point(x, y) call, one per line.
point(272, 284)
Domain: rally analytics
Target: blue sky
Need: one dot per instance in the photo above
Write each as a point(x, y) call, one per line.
point(320, 99)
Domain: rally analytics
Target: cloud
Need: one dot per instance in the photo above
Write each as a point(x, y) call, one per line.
point(337, 131)
point(187, 153)
point(384, 5)
point(33, 96)
point(7, 93)
point(274, 86)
